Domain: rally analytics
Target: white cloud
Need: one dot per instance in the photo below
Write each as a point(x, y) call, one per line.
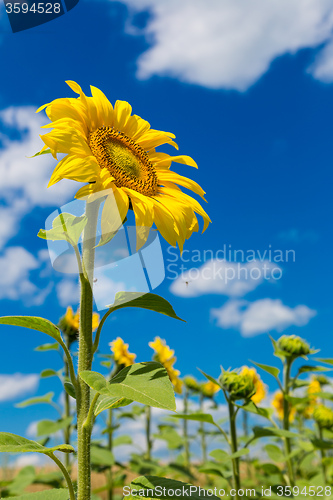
point(226, 278)
point(68, 292)
point(231, 44)
point(261, 316)
point(35, 459)
point(17, 385)
point(24, 180)
point(16, 264)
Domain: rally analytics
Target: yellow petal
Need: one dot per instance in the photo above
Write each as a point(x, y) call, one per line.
point(114, 212)
point(122, 112)
point(167, 175)
point(104, 108)
point(185, 160)
point(77, 169)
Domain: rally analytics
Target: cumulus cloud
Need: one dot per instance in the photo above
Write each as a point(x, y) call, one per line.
point(24, 180)
point(230, 45)
point(16, 264)
point(226, 278)
point(261, 316)
point(17, 385)
point(68, 292)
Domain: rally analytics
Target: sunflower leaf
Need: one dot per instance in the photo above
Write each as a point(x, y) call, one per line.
point(55, 494)
point(34, 323)
point(166, 485)
point(47, 427)
point(11, 443)
point(47, 398)
point(66, 227)
point(107, 402)
point(149, 301)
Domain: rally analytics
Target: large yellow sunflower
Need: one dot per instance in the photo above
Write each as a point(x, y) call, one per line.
point(111, 149)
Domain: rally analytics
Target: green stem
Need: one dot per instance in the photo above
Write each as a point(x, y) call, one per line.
point(110, 447)
point(323, 455)
point(85, 351)
point(148, 431)
point(286, 404)
point(246, 435)
point(185, 430)
point(233, 435)
point(66, 476)
point(202, 433)
point(89, 421)
point(67, 431)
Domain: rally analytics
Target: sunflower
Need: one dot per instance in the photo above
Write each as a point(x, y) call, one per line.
point(69, 323)
point(165, 356)
point(121, 354)
point(277, 403)
point(209, 389)
point(259, 386)
point(111, 149)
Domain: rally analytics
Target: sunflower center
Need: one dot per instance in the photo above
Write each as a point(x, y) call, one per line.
point(126, 161)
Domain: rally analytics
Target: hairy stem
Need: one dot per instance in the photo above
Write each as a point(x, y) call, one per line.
point(185, 430)
point(148, 431)
point(85, 351)
point(202, 433)
point(66, 476)
point(234, 448)
point(286, 414)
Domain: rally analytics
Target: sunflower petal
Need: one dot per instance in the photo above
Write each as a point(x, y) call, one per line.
point(122, 112)
point(114, 212)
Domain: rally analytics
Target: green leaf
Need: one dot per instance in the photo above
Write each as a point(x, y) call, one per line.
point(222, 456)
point(49, 373)
point(70, 389)
point(45, 152)
point(274, 453)
point(66, 227)
point(272, 370)
point(149, 301)
point(252, 408)
point(23, 478)
point(171, 436)
point(54, 494)
point(166, 485)
point(47, 347)
point(96, 381)
point(47, 398)
point(212, 379)
point(121, 440)
point(198, 417)
point(47, 427)
point(321, 444)
point(11, 443)
point(101, 456)
point(308, 368)
point(272, 431)
point(107, 402)
point(147, 383)
point(34, 323)
point(328, 361)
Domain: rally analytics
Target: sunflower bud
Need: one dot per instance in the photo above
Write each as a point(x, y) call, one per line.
point(238, 385)
point(208, 389)
point(323, 416)
point(191, 383)
point(293, 346)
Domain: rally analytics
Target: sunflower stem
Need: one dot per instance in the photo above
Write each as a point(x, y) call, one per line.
point(148, 432)
point(286, 416)
point(202, 432)
point(233, 436)
point(185, 430)
point(86, 351)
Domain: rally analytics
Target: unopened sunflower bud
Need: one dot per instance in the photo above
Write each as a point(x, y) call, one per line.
point(191, 383)
point(323, 416)
point(293, 346)
point(239, 386)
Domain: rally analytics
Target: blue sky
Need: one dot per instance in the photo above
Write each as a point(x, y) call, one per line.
point(251, 100)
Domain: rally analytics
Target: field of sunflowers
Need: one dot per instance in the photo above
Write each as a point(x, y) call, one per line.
point(231, 435)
